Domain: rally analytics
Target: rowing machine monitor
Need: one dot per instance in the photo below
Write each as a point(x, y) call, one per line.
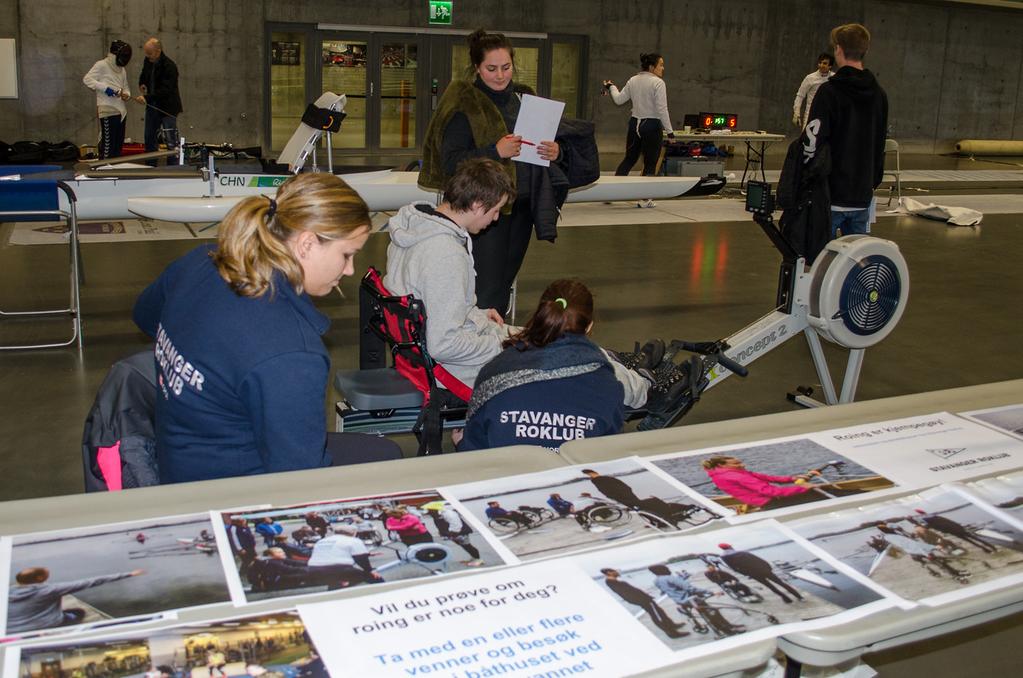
point(759, 200)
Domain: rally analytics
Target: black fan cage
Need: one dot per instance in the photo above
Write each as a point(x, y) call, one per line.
point(870, 295)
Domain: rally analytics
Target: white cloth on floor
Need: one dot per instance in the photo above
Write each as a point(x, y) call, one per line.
point(954, 216)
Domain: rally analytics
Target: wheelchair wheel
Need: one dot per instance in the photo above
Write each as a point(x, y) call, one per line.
point(546, 514)
point(696, 515)
point(656, 521)
point(535, 516)
point(503, 525)
point(603, 515)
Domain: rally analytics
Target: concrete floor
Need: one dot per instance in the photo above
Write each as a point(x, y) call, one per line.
point(697, 281)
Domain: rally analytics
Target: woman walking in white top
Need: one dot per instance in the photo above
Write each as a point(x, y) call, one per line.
point(650, 116)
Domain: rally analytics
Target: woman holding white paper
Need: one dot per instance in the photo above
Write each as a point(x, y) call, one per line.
point(472, 120)
point(650, 118)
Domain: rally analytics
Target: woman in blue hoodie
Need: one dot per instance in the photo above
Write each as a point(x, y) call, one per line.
point(551, 384)
point(241, 367)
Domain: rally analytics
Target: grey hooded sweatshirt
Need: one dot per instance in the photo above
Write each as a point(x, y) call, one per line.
point(430, 257)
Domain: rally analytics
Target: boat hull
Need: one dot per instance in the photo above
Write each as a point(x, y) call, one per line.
point(188, 199)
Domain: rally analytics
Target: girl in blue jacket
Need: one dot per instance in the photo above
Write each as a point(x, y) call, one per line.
point(242, 370)
point(551, 384)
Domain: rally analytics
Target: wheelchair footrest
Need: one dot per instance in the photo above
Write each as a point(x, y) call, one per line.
point(383, 422)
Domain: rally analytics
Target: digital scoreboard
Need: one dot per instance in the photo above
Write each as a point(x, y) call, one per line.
point(719, 121)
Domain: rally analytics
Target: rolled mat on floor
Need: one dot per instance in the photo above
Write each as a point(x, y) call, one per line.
point(990, 147)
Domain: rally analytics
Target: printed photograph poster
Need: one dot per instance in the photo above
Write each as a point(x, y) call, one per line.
point(771, 478)
point(61, 633)
point(934, 547)
point(89, 576)
point(340, 544)
point(711, 591)
point(572, 508)
point(927, 450)
point(1008, 418)
point(1004, 492)
point(539, 619)
point(270, 644)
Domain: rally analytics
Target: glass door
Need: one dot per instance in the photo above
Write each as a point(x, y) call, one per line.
point(288, 55)
point(399, 87)
point(568, 60)
point(344, 69)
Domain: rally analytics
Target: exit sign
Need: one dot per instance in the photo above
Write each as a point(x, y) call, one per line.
point(440, 12)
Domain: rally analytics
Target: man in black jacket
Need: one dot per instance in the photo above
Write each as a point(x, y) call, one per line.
point(158, 83)
point(757, 569)
point(618, 490)
point(850, 115)
point(953, 529)
point(644, 600)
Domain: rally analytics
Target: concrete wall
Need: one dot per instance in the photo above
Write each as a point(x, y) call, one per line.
point(217, 44)
point(951, 71)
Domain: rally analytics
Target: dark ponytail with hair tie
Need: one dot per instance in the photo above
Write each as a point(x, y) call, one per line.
point(566, 307)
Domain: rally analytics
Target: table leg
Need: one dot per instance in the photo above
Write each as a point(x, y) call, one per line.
point(755, 159)
point(763, 150)
point(745, 170)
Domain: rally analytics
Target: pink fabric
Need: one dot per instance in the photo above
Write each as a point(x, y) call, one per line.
point(407, 525)
point(752, 488)
point(109, 460)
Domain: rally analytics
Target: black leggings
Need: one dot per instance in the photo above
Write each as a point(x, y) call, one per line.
point(111, 136)
point(498, 253)
point(643, 136)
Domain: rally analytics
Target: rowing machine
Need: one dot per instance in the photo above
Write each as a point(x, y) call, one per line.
point(853, 295)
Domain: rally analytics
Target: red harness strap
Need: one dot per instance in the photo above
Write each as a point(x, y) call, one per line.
point(406, 330)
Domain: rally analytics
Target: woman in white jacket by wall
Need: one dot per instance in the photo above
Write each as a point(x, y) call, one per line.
point(650, 117)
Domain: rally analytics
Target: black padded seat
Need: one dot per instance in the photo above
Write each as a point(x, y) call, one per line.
point(379, 389)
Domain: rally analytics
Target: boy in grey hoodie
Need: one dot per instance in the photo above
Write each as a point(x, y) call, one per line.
point(430, 256)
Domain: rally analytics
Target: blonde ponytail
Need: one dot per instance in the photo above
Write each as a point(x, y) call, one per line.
point(253, 238)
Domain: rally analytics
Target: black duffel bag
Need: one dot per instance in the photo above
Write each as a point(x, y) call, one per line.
point(27, 153)
point(323, 118)
point(62, 151)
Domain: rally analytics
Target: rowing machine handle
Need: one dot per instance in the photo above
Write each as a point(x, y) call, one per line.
point(732, 365)
point(716, 350)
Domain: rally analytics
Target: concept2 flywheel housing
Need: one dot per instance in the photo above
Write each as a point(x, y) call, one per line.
point(858, 290)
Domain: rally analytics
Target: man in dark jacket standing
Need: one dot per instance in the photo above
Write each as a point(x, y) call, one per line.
point(158, 83)
point(953, 529)
point(645, 601)
point(850, 115)
point(757, 569)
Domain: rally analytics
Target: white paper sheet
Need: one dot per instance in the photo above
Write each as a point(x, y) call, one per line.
point(538, 121)
point(898, 545)
point(838, 479)
point(12, 658)
point(515, 622)
point(5, 580)
point(927, 450)
point(282, 627)
point(829, 593)
point(606, 521)
point(175, 573)
point(1008, 418)
point(390, 558)
point(1004, 492)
